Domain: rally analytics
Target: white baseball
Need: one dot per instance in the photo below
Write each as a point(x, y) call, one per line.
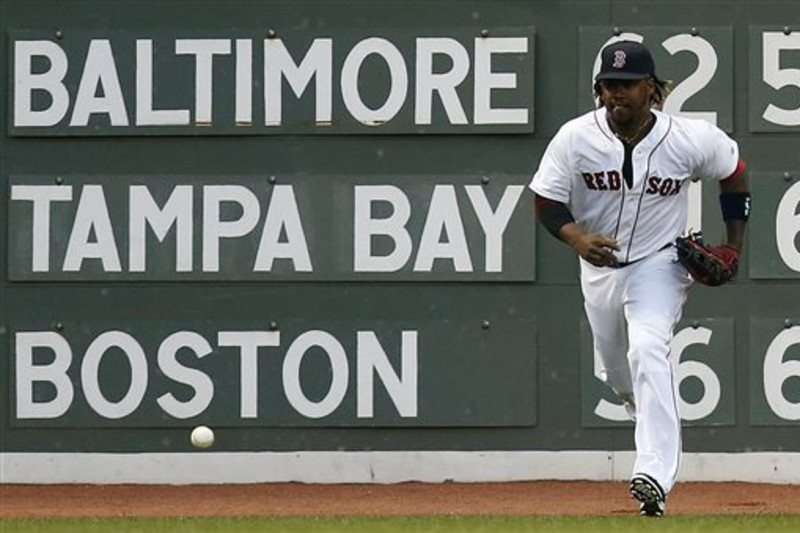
point(202, 437)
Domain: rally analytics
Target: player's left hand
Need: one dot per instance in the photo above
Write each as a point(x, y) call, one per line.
point(729, 255)
point(710, 265)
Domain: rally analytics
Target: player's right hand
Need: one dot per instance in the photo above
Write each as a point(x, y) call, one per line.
point(597, 249)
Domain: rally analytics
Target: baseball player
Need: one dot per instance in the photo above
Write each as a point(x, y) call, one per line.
point(613, 184)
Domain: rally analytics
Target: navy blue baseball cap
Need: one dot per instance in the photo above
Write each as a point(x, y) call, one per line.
point(626, 60)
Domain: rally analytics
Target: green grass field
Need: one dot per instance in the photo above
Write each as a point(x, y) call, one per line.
point(438, 524)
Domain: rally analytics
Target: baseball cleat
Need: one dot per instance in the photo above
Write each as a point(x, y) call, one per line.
point(646, 491)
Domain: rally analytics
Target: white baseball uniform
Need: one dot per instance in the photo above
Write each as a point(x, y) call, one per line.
point(633, 309)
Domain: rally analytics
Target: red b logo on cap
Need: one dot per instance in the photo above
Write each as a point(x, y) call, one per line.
point(619, 59)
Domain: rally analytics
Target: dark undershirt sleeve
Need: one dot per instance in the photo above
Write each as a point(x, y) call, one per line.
point(552, 215)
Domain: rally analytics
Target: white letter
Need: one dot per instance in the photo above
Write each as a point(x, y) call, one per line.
point(145, 114)
point(444, 83)
point(199, 381)
point(244, 82)
point(291, 374)
point(50, 81)
point(249, 342)
point(443, 215)
point(278, 64)
point(145, 212)
point(402, 391)
point(54, 373)
point(92, 214)
point(99, 71)
point(41, 196)
point(494, 224)
point(203, 50)
point(90, 374)
point(486, 80)
point(393, 227)
point(397, 90)
point(214, 228)
point(282, 213)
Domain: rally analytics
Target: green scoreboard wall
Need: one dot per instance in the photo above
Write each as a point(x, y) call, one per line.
point(307, 225)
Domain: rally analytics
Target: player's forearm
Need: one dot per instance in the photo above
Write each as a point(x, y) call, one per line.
point(557, 219)
point(593, 247)
point(572, 234)
point(735, 232)
point(735, 204)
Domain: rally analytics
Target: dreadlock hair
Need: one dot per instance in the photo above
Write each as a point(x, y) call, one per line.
point(663, 88)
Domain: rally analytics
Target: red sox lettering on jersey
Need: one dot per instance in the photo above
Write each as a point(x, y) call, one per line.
point(612, 181)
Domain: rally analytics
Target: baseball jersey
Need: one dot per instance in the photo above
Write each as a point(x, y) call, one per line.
point(582, 168)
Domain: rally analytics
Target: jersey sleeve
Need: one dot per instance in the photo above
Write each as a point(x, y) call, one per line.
point(719, 154)
point(553, 178)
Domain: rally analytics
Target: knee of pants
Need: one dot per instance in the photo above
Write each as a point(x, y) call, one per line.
point(649, 350)
point(619, 379)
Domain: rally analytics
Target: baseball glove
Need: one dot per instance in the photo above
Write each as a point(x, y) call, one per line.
point(710, 265)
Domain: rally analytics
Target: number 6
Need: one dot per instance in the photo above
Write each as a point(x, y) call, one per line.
point(777, 371)
point(712, 390)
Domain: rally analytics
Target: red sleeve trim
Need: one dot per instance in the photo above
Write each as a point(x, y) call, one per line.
point(741, 166)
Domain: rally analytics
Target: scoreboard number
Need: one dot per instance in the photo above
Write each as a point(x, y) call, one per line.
point(774, 46)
